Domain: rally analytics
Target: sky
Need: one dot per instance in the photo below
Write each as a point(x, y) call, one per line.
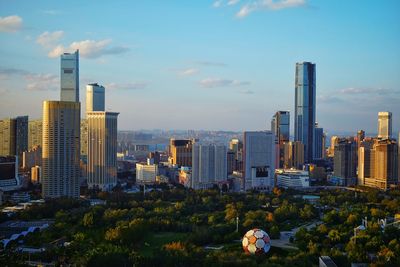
point(213, 65)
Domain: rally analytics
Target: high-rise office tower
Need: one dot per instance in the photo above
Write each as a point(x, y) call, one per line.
point(345, 162)
point(319, 146)
point(181, 151)
point(293, 155)
point(35, 133)
point(14, 136)
point(61, 149)
point(102, 149)
point(95, 97)
point(259, 159)
point(280, 126)
point(21, 135)
point(304, 117)
point(384, 124)
point(7, 137)
point(231, 162)
point(209, 165)
point(70, 77)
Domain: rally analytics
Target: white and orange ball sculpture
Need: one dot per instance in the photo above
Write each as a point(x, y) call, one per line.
point(256, 241)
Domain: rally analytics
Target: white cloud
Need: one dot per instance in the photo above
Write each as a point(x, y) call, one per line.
point(188, 72)
point(217, 82)
point(47, 39)
point(361, 91)
point(41, 82)
point(89, 48)
point(126, 86)
point(220, 3)
point(232, 2)
point(217, 3)
point(252, 6)
point(10, 23)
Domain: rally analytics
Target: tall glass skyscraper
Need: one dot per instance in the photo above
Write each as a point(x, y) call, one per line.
point(70, 77)
point(304, 117)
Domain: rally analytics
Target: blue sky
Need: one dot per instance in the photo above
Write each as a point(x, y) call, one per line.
point(225, 65)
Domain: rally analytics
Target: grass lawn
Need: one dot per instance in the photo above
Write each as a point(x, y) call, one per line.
point(154, 242)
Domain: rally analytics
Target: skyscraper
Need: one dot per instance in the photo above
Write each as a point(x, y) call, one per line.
point(345, 162)
point(378, 163)
point(14, 136)
point(61, 135)
point(209, 165)
point(304, 118)
point(319, 146)
point(102, 149)
point(95, 97)
point(384, 124)
point(70, 77)
point(7, 137)
point(21, 135)
point(60, 153)
point(259, 159)
point(280, 126)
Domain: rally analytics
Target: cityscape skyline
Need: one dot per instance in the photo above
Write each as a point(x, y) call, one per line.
point(199, 74)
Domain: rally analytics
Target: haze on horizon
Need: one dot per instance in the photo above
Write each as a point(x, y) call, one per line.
point(214, 65)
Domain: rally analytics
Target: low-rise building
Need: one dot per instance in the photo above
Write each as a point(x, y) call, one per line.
point(146, 174)
point(290, 178)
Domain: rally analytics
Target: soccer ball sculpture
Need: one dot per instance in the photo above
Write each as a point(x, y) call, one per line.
point(256, 241)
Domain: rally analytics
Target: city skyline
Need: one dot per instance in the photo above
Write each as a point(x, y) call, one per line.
point(146, 65)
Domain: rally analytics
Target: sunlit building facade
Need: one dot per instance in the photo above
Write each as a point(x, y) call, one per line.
point(61, 149)
point(102, 149)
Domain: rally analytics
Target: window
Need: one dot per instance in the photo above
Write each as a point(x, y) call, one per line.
point(68, 70)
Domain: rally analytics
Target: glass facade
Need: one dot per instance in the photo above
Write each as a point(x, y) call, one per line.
point(305, 107)
point(70, 77)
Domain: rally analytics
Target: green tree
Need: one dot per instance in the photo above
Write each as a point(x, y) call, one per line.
point(88, 220)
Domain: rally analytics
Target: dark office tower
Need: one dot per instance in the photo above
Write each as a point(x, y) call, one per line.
point(304, 117)
point(280, 126)
point(345, 162)
point(319, 146)
point(231, 161)
point(14, 136)
point(21, 135)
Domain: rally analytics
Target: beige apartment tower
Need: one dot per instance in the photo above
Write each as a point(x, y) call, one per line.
point(61, 149)
point(102, 149)
point(7, 137)
point(378, 164)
